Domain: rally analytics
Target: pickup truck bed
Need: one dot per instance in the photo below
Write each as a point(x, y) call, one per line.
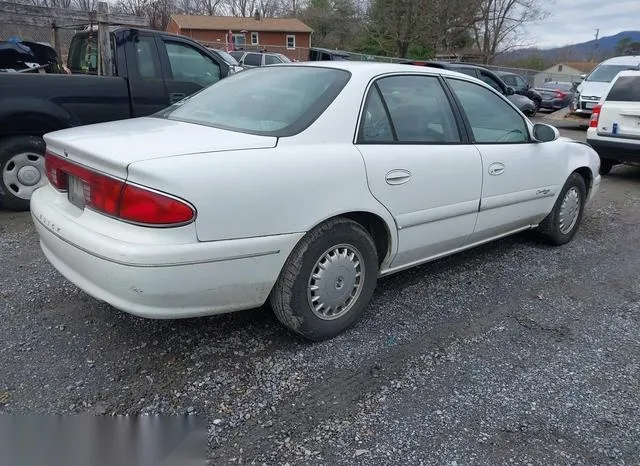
point(152, 70)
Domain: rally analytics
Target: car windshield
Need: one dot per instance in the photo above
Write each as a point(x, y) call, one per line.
point(279, 101)
point(227, 57)
point(606, 73)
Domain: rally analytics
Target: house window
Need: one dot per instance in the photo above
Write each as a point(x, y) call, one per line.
point(291, 42)
point(238, 39)
point(254, 38)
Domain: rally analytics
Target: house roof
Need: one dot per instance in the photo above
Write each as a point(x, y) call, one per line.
point(234, 23)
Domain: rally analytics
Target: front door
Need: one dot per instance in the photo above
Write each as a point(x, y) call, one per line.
point(419, 165)
point(520, 176)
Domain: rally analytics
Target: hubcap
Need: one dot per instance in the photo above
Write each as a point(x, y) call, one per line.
point(23, 173)
point(569, 210)
point(336, 282)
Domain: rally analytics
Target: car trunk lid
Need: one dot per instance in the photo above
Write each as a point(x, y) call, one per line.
point(111, 147)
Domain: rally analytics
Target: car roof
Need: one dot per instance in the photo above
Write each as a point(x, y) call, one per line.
point(626, 60)
point(629, 73)
point(369, 69)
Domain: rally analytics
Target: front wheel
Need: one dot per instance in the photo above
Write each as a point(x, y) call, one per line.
point(561, 225)
point(327, 281)
point(22, 170)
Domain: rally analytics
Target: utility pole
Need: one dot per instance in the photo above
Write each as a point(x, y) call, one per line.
point(595, 45)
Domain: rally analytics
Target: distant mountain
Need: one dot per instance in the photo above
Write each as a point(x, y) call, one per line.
point(606, 47)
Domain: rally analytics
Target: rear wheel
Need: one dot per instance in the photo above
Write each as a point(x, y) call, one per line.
point(22, 170)
point(561, 225)
point(327, 281)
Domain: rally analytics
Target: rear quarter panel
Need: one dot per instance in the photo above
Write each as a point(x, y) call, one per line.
point(248, 193)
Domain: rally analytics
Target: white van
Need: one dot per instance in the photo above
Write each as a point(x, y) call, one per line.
point(592, 88)
point(614, 129)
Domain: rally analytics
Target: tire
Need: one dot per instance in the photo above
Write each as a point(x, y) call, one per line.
point(21, 170)
point(552, 226)
point(605, 166)
point(292, 295)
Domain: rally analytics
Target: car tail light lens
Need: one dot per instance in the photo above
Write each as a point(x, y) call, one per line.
point(148, 207)
point(560, 95)
point(595, 116)
point(117, 198)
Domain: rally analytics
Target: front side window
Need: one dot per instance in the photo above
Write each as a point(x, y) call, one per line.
point(625, 89)
point(509, 80)
point(190, 65)
point(291, 42)
point(492, 120)
point(487, 78)
point(276, 101)
point(521, 83)
point(418, 108)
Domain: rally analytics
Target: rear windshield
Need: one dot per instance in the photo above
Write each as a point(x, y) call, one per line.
point(625, 89)
point(83, 53)
point(606, 73)
point(279, 101)
point(559, 86)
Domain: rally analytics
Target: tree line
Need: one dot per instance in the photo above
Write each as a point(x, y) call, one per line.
point(403, 28)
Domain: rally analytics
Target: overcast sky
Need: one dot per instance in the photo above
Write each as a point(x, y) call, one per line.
point(575, 21)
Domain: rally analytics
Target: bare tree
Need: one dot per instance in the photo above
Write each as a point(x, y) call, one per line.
point(499, 23)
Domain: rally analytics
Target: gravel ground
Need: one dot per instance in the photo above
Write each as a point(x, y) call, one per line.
point(513, 353)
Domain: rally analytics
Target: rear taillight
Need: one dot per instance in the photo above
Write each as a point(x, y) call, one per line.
point(560, 95)
point(595, 116)
point(151, 208)
point(117, 198)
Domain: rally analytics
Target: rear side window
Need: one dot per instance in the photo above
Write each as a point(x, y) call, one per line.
point(419, 110)
point(271, 60)
point(253, 59)
point(625, 89)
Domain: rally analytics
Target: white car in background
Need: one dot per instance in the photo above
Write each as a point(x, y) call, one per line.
point(614, 129)
point(591, 90)
point(326, 177)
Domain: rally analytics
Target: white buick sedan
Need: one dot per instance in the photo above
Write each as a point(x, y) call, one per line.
point(300, 185)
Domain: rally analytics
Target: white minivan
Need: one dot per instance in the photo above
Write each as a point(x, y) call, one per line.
point(590, 90)
point(614, 130)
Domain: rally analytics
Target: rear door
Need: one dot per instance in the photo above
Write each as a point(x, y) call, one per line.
point(187, 69)
point(620, 113)
point(420, 165)
point(146, 77)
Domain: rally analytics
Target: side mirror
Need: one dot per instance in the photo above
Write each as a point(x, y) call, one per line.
point(543, 132)
point(583, 77)
point(510, 90)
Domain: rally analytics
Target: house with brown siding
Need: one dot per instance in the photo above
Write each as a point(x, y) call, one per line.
point(288, 36)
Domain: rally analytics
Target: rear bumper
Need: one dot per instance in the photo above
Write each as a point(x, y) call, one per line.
point(157, 280)
point(619, 150)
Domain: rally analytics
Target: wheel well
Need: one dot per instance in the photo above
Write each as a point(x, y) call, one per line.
point(36, 125)
point(585, 173)
point(377, 228)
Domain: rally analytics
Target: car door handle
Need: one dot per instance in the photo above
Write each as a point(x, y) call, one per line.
point(176, 97)
point(496, 169)
point(396, 177)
